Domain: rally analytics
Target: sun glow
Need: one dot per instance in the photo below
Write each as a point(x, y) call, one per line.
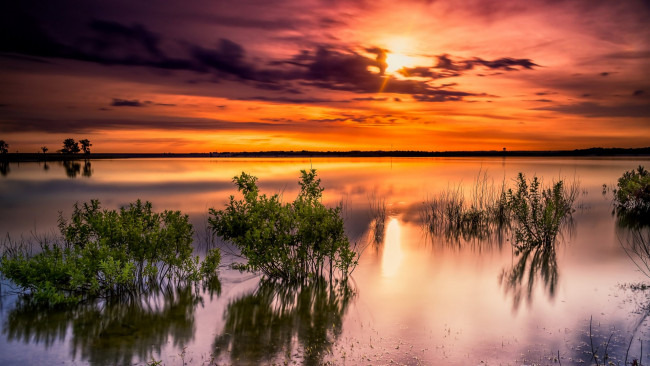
point(399, 54)
point(396, 61)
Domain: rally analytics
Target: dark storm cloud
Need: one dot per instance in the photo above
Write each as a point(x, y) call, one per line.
point(589, 109)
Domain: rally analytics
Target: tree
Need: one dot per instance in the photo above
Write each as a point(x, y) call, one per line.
point(85, 146)
point(4, 147)
point(70, 146)
point(44, 149)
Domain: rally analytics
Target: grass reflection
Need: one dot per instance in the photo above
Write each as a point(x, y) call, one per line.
point(280, 320)
point(109, 333)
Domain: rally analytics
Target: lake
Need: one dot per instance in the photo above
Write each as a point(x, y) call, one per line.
point(416, 297)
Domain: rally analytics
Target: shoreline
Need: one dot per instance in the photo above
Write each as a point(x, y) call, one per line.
point(591, 152)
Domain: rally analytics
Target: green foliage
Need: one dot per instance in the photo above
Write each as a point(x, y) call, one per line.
point(291, 241)
point(633, 193)
point(539, 212)
point(108, 252)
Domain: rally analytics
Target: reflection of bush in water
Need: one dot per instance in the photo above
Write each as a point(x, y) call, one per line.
point(266, 324)
point(109, 333)
point(636, 243)
point(533, 261)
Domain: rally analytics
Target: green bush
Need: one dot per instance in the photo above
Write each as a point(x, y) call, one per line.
point(108, 252)
point(290, 241)
point(539, 213)
point(633, 193)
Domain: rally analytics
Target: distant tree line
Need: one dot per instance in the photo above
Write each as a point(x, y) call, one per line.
point(70, 146)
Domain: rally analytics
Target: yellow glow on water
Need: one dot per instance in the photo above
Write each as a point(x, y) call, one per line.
point(392, 257)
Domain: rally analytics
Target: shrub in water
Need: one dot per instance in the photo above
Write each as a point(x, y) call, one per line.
point(539, 212)
point(633, 193)
point(290, 241)
point(108, 252)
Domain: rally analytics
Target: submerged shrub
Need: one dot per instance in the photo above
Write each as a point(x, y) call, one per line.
point(539, 213)
point(633, 193)
point(290, 241)
point(108, 252)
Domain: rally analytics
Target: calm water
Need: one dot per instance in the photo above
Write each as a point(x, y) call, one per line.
point(413, 299)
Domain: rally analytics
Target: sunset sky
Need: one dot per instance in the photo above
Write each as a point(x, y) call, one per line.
point(211, 75)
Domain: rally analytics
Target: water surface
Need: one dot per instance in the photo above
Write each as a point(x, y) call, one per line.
point(414, 298)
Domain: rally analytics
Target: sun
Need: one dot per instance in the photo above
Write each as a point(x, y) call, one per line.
point(399, 54)
point(397, 61)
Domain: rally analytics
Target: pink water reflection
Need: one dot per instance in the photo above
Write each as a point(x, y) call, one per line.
point(419, 299)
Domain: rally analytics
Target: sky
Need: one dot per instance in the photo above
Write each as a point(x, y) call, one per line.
point(257, 75)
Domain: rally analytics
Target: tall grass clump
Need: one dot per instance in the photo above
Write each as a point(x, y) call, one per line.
point(539, 213)
point(379, 215)
point(475, 216)
point(104, 253)
point(289, 241)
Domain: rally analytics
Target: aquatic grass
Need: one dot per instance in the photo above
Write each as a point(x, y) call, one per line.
point(456, 216)
point(378, 215)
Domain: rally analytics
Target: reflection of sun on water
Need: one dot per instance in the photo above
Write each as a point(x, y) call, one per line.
point(392, 257)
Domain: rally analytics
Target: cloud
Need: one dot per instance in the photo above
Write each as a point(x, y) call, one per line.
point(282, 99)
point(441, 96)
point(103, 124)
point(322, 66)
point(505, 63)
point(595, 110)
point(127, 103)
point(371, 99)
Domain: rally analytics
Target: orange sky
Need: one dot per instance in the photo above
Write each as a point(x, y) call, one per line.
point(198, 76)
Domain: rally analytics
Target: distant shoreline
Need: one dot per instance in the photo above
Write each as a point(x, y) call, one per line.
point(600, 152)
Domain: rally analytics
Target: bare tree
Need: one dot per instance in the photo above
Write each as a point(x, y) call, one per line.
point(4, 147)
point(44, 149)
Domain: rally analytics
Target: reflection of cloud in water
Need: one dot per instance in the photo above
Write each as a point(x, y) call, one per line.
point(392, 256)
